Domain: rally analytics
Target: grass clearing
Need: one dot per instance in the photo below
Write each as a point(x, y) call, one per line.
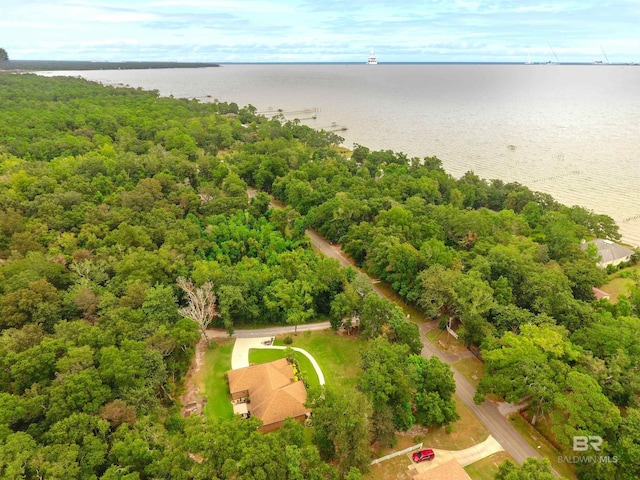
point(337, 355)
point(487, 468)
point(397, 468)
point(216, 386)
point(616, 287)
point(470, 368)
point(264, 355)
point(465, 433)
point(619, 282)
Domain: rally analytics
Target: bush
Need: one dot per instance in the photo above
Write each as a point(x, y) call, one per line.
point(288, 353)
point(288, 340)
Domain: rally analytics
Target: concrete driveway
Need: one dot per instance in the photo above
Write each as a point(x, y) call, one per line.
point(240, 353)
point(463, 457)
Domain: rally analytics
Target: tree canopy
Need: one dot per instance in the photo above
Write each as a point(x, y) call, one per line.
point(109, 195)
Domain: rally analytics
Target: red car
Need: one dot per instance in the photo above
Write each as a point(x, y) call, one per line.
point(423, 455)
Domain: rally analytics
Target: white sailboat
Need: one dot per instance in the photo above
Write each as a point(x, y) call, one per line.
point(600, 62)
point(372, 60)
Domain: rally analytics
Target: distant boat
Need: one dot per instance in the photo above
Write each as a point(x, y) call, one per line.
point(606, 59)
point(528, 62)
point(372, 60)
point(554, 54)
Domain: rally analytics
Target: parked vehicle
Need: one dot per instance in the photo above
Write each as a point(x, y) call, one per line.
point(423, 455)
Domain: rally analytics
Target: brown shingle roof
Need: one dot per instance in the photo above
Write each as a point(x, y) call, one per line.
point(272, 393)
point(275, 374)
point(279, 404)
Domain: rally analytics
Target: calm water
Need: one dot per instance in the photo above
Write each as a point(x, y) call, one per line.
point(571, 131)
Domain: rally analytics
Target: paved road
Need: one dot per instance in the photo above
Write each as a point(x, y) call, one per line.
point(266, 332)
point(488, 413)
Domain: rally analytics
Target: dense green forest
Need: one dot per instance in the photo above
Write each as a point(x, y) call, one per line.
point(109, 195)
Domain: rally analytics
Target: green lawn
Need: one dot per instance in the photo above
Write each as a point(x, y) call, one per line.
point(466, 432)
point(487, 468)
point(620, 281)
point(470, 368)
point(263, 355)
point(337, 355)
point(216, 387)
point(616, 287)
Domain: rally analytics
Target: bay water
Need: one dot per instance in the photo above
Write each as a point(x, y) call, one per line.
point(572, 131)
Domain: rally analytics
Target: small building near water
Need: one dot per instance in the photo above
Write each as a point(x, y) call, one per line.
point(268, 391)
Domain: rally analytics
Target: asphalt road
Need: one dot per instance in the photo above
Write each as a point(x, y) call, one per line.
point(487, 412)
point(266, 332)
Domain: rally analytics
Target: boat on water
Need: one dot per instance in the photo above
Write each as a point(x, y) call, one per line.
point(372, 60)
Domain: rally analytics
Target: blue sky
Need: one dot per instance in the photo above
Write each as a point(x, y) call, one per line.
point(321, 30)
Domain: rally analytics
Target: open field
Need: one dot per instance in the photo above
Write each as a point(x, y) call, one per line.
point(264, 355)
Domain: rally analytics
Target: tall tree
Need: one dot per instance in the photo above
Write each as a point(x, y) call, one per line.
point(341, 432)
point(531, 365)
point(531, 469)
point(3, 54)
point(201, 306)
point(582, 409)
point(386, 381)
point(434, 388)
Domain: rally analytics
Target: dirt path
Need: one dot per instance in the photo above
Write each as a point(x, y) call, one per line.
point(192, 400)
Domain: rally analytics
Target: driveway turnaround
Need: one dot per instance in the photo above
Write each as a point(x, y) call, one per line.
point(240, 354)
point(463, 457)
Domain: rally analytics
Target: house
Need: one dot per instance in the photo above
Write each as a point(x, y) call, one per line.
point(450, 470)
point(268, 391)
point(610, 253)
point(600, 294)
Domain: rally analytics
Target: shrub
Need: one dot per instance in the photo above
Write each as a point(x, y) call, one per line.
point(288, 340)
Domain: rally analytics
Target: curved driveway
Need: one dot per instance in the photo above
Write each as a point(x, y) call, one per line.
point(240, 354)
point(488, 413)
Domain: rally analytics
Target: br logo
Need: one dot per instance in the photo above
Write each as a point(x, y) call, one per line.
point(581, 443)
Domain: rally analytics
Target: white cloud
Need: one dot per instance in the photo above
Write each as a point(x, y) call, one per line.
point(327, 29)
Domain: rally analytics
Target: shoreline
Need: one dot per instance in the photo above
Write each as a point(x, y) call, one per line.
point(75, 65)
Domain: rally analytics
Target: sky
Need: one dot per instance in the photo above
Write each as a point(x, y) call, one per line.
point(227, 31)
